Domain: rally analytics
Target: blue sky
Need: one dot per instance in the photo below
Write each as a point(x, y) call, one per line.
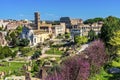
point(54, 9)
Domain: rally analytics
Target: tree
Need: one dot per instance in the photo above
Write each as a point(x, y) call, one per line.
point(12, 36)
point(97, 56)
point(92, 35)
point(88, 21)
point(115, 41)
point(111, 24)
point(19, 29)
point(94, 20)
point(6, 51)
point(1, 54)
point(24, 42)
point(67, 35)
point(72, 68)
point(35, 67)
point(1, 28)
point(15, 42)
point(56, 23)
point(14, 54)
point(76, 68)
point(80, 40)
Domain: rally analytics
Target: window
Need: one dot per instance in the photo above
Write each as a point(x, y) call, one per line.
point(40, 39)
point(34, 40)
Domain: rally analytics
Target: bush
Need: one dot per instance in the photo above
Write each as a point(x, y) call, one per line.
point(80, 40)
point(36, 54)
point(103, 75)
point(24, 42)
point(5, 52)
point(67, 35)
point(115, 64)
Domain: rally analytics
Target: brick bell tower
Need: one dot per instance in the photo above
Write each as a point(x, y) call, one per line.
point(37, 20)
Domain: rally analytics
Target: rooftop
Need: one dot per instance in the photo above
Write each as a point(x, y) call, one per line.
point(37, 32)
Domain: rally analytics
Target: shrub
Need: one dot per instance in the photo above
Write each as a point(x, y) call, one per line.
point(24, 42)
point(36, 54)
point(80, 40)
point(5, 52)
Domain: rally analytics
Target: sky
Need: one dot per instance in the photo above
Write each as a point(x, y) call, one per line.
point(54, 9)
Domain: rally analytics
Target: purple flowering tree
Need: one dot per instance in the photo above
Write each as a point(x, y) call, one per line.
point(96, 55)
point(73, 68)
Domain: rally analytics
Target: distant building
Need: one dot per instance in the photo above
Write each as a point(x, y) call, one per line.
point(40, 37)
point(44, 27)
point(35, 36)
point(3, 24)
point(76, 21)
point(75, 32)
point(11, 26)
point(66, 20)
point(83, 29)
point(96, 27)
point(36, 33)
point(37, 20)
point(40, 31)
point(59, 29)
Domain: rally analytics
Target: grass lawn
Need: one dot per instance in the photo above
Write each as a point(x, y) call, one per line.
point(12, 66)
point(15, 49)
point(54, 51)
point(27, 51)
point(30, 53)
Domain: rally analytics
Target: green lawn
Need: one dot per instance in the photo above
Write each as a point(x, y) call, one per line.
point(30, 53)
point(15, 49)
point(54, 51)
point(12, 66)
